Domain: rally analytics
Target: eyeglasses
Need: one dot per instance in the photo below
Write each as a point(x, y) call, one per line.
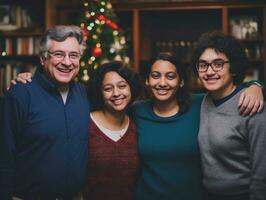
point(216, 65)
point(61, 55)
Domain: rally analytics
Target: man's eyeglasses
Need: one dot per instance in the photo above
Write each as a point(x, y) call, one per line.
point(216, 65)
point(60, 55)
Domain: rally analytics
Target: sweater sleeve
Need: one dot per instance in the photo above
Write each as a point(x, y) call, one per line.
point(11, 125)
point(257, 145)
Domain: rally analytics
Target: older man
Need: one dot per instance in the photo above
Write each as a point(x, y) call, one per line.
point(43, 141)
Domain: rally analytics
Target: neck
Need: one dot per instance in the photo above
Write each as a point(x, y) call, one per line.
point(63, 88)
point(223, 92)
point(111, 121)
point(166, 109)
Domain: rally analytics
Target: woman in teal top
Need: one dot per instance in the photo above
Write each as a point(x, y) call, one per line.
point(167, 127)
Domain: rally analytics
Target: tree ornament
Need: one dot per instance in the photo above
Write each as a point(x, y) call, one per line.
point(109, 6)
point(85, 32)
point(96, 51)
point(107, 21)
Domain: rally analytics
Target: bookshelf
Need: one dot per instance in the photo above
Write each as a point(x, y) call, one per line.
point(21, 25)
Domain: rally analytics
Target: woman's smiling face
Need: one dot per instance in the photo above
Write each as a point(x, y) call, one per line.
point(164, 81)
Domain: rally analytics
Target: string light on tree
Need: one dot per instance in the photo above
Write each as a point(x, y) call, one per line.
point(104, 37)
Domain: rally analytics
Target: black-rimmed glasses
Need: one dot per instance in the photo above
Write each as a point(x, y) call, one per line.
point(216, 65)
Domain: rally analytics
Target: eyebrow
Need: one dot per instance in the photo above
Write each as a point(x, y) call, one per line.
point(201, 60)
point(57, 51)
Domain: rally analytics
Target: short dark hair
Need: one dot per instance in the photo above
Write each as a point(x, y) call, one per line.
point(97, 76)
point(227, 45)
point(183, 93)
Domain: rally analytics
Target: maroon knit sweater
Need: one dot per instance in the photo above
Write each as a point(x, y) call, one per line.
point(113, 166)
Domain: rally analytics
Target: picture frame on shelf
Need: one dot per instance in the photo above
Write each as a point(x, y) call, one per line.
point(244, 27)
point(7, 18)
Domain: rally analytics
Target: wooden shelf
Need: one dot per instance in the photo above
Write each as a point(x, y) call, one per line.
point(146, 30)
point(21, 33)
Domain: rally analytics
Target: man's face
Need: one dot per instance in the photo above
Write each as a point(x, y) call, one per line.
point(217, 79)
point(62, 62)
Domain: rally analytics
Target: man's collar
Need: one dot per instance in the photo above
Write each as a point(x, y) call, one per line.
point(46, 83)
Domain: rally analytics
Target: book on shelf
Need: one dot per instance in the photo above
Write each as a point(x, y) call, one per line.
point(10, 70)
point(181, 48)
point(13, 46)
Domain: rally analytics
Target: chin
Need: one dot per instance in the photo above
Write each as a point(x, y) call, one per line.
point(162, 99)
point(64, 80)
point(210, 87)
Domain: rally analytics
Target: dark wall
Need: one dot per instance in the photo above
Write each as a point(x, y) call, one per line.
point(1, 110)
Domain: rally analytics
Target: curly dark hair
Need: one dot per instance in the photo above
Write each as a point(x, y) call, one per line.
point(227, 45)
point(97, 76)
point(183, 94)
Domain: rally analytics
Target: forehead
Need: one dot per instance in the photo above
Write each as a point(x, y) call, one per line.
point(163, 66)
point(112, 78)
point(210, 55)
point(69, 44)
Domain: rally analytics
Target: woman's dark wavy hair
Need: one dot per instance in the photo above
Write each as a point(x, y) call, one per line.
point(227, 45)
point(96, 79)
point(183, 94)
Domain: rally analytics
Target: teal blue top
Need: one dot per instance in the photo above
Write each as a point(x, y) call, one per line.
point(169, 153)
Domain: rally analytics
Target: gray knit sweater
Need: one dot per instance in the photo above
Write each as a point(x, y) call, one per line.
point(233, 149)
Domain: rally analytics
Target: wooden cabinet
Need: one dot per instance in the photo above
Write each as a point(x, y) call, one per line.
point(176, 25)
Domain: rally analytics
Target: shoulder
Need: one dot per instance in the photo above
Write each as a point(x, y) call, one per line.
point(19, 90)
point(81, 91)
point(196, 99)
point(79, 86)
point(140, 105)
point(18, 95)
point(259, 118)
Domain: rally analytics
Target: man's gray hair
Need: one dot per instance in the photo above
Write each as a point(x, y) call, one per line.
point(60, 33)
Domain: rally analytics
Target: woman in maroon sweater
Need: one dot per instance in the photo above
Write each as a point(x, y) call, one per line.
point(113, 155)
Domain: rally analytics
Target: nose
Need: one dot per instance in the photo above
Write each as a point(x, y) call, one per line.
point(162, 81)
point(66, 60)
point(116, 91)
point(210, 70)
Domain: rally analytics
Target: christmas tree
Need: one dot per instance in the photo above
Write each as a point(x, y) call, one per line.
point(105, 39)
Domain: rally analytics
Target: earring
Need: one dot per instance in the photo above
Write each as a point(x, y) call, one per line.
point(182, 83)
point(146, 82)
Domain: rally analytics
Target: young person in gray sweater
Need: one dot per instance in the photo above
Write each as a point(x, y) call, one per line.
point(233, 147)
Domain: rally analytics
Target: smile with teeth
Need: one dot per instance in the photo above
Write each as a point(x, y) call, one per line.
point(211, 80)
point(161, 91)
point(118, 101)
point(64, 70)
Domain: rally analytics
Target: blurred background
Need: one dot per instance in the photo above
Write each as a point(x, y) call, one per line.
point(132, 31)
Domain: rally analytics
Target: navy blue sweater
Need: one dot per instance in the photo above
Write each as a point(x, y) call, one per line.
point(43, 142)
